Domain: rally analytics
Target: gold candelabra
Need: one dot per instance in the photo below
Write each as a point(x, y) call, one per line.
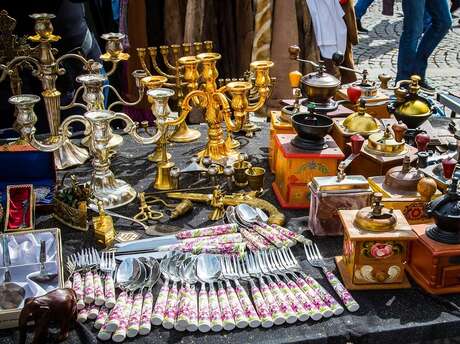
point(174, 73)
point(221, 104)
point(46, 67)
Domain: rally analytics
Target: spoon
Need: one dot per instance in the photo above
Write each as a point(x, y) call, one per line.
point(246, 213)
point(186, 273)
point(145, 325)
point(172, 302)
point(208, 270)
point(159, 309)
point(43, 276)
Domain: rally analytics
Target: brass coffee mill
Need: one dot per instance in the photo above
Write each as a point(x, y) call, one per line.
point(46, 67)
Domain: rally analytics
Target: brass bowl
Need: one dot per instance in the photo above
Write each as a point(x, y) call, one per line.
point(319, 88)
point(255, 176)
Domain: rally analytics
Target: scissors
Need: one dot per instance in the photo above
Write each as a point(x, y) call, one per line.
point(146, 212)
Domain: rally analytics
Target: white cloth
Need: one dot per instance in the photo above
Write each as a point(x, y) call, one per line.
point(329, 26)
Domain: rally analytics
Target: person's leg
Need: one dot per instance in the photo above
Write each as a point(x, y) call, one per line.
point(441, 21)
point(361, 7)
point(412, 30)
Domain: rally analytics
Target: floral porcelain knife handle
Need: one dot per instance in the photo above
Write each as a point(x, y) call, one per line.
point(77, 286)
point(89, 288)
point(109, 291)
point(343, 293)
point(99, 298)
point(120, 334)
point(116, 314)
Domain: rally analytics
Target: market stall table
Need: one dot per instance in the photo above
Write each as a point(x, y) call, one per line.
point(396, 316)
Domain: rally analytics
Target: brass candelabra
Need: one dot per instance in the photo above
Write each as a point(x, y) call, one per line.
point(169, 56)
point(47, 68)
point(228, 103)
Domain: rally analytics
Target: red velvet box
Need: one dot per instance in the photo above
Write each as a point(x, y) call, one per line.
point(20, 208)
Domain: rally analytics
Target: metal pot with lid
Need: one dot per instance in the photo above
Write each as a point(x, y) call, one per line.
point(361, 122)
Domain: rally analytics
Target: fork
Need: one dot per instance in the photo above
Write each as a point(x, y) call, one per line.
point(99, 298)
point(318, 307)
point(77, 281)
point(255, 270)
point(107, 265)
point(305, 281)
point(241, 320)
point(288, 312)
point(315, 259)
point(261, 306)
point(246, 304)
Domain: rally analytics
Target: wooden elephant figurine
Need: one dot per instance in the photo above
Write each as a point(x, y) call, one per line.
point(58, 306)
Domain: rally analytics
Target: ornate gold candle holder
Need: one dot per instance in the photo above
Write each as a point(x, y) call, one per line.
point(219, 107)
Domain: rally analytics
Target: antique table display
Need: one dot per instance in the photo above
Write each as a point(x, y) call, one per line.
point(406, 188)
point(433, 260)
point(375, 247)
point(31, 266)
point(382, 151)
point(328, 194)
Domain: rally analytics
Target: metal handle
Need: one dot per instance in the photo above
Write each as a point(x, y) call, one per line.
point(42, 256)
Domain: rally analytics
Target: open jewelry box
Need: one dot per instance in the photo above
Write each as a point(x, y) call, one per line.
point(20, 208)
point(21, 273)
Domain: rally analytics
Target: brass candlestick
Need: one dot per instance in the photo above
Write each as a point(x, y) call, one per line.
point(218, 106)
point(175, 77)
point(46, 67)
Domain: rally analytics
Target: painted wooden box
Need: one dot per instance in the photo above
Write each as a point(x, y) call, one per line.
point(277, 126)
point(295, 168)
point(374, 260)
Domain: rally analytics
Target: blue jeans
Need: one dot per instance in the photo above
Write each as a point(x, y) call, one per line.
point(415, 49)
point(361, 8)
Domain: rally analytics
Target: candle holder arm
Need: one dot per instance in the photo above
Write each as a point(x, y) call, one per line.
point(87, 64)
point(63, 134)
point(73, 103)
point(263, 96)
point(17, 61)
point(141, 55)
point(232, 125)
point(132, 129)
point(156, 67)
point(121, 101)
point(186, 107)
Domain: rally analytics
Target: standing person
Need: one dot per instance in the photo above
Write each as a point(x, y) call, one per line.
point(360, 10)
point(416, 43)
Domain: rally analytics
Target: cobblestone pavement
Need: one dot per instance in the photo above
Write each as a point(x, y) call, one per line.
point(377, 51)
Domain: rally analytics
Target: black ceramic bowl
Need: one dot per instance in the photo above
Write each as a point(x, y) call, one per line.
point(311, 127)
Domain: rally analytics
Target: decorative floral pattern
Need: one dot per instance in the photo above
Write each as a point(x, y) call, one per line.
point(101, 317)
point(380, 250)
point(120, 334)
point(317, 303)
point(183, 308)
point(208, 231)
point(305, 303)
point(258, 242)
point(109, 291)
point(273, 307)
point(193, 308)
point(212, 240)
point(116, 313)
point(89, 288)
point(226, 312)
point(298, 308)
point(171, 307)
point(145, 325)
point(203, 313)
point(325, 296)
point(77, 286)
point(160, 305)
point(236, 248)
point(237, 310)
point(99, 298)
point(343, 293)
point(83, 315)
point(261, 307)
point(272, 236)
point(285, 308)
point(214, 309)
point(135, 316)
point(93, 311)
point(290, 234)
point(248, 309)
